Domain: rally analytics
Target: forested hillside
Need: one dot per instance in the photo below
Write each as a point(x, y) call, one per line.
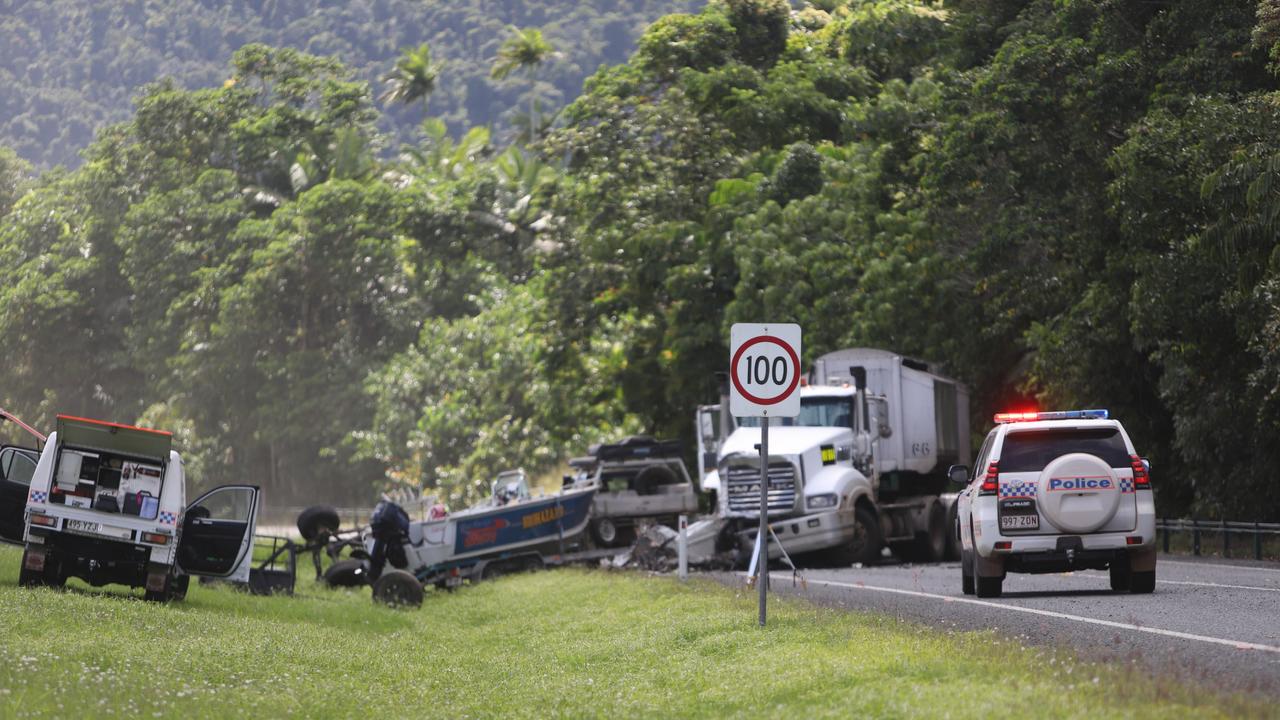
point(1070, 203)
point(69, 67)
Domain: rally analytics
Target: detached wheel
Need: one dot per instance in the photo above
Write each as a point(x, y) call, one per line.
point(347, 573)
point(316, 520)
point(397, 589)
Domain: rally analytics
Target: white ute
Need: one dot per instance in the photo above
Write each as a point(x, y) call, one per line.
point(107, 504)
point(1052, 492)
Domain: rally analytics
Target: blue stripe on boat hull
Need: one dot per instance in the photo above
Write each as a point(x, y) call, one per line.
point(522, 524)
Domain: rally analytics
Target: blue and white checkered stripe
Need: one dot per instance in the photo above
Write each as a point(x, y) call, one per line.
point(1017, 490)
point(39, 496)
point(168, 518)
point(1126, 485)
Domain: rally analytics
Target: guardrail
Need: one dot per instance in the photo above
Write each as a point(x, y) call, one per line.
point(1223, 529)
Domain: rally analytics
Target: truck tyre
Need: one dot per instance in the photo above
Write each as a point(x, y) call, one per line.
point(865, 546)
point(397, 589)
point(316, 520)
point(347, 573)
point(1142, 583)
point(931, 544)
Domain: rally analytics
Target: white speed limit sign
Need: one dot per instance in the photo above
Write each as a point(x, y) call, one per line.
point(764, 369)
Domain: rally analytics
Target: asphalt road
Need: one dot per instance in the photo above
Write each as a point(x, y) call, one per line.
point(1215, 623)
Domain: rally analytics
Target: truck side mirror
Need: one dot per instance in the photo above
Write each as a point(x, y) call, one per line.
point(959, 474)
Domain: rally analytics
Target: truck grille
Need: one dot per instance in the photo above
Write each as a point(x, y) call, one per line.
point(744, 488)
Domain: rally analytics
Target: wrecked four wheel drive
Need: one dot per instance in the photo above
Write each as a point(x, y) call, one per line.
point(107, 504)
point(640, 479)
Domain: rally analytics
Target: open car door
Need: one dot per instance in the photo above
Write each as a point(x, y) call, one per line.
point(17, 467)
point(217, 533)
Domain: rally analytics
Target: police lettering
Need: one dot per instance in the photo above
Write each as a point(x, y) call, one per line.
point(1080, 483)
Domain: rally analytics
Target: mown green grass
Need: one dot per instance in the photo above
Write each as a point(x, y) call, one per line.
point(563, 643)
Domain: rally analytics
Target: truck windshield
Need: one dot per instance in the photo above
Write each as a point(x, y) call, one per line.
point(814, 412)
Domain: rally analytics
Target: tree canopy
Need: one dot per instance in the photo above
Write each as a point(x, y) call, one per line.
point(1067, 204)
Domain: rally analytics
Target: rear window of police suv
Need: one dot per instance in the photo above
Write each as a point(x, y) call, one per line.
point(1032, 450)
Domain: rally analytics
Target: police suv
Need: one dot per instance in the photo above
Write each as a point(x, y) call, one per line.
point(1052, 492)
point(107, 503)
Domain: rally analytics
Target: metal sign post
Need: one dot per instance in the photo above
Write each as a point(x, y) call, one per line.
point(764, 374)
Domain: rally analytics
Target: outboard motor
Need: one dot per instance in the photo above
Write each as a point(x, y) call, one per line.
point(390, 528)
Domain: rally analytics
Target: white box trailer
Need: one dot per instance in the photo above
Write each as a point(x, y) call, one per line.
point(926, 414)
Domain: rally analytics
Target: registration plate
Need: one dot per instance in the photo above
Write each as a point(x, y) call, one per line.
point(1019, 515)
point(83, 526)
point(88, 527)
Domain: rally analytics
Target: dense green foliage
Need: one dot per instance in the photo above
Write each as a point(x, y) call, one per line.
point(562, 643)
point(69, 67)
point(1067, 202)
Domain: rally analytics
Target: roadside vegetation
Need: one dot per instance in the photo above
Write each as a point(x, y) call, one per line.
point(1069, 203)
point(553, 644)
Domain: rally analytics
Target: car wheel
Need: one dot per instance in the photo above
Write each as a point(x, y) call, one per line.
point(988, 587)
point(1141, 583)
point(30, 578)
point(605, 532)
point(180, 586)
point(966, 573)
point(397, 588)
point(163, 595)
point(1120, 575)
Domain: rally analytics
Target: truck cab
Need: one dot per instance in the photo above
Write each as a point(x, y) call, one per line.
point(817, 494)
point(107, 504)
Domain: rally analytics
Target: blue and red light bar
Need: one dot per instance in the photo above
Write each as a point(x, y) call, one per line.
point(1052, 415)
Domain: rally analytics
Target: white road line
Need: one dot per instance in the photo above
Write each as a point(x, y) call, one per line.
point(1093, 576)
point(1238, 644)
point(1221, 566)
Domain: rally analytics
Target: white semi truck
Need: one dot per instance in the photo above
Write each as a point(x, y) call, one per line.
point(863, 466)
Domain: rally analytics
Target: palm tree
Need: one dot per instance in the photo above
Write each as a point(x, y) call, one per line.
point(524, 51)
point(413, 77)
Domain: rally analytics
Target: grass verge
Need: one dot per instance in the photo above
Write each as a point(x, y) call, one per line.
point(564, 643)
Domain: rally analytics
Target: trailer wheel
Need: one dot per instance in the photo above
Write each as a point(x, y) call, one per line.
point(397, 589)
point(347, 573)
point(316, 520)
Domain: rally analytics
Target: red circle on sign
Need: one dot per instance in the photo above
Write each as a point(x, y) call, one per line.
point(795, 371)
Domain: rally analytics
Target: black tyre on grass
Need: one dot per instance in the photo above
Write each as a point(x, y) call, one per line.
point(316, 520)
point(347, 573)
point(398, 589)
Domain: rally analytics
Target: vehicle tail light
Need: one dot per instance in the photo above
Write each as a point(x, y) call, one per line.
point(1133, 540)
point(1140, 477)
point(155, 538)
point(1004, 545)
point(990, 483)
point(44, 520)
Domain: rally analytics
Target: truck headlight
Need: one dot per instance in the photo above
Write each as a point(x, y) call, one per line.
point(819, 502)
